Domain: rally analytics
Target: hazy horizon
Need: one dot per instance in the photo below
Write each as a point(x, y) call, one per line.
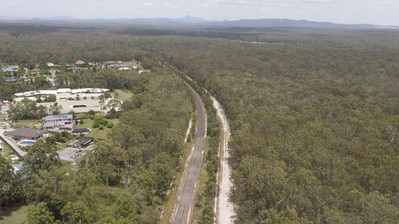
point(335, 11)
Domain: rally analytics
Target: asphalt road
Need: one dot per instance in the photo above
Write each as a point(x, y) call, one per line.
point(193, 167)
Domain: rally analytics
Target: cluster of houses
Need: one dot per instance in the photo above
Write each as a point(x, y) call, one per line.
point(51, 124)
point(79, 65)
point(77, 100)
point(68, 100)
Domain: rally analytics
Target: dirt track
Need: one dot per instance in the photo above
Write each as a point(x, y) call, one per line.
point(224, 209)
point(193, 167)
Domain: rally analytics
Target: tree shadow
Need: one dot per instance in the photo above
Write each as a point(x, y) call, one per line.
point(8, 210)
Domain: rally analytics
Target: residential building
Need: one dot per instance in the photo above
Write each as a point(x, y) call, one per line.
point(85, 142)
point(81, 131)
point(27, 133)
point(58, 121)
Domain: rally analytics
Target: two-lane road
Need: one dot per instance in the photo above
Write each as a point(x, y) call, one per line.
point(193, 167)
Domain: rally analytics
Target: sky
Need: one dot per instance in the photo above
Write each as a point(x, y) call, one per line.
point(377, 12)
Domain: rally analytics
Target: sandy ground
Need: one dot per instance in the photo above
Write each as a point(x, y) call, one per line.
point(190, 124)
point(224, 209)
point(69, 154)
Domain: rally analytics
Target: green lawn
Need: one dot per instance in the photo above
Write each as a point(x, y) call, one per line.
point(123, 94)
point(95, 132)
point(18, 216)
point(36, 124)
point(133, 63)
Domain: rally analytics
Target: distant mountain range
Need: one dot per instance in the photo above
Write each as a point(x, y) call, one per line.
point(189, 21)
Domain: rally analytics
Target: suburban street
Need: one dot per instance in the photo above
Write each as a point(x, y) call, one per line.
point(193, 167)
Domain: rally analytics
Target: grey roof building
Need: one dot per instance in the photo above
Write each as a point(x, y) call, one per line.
point(59, 120)
point(82, 131)
point(28, 133)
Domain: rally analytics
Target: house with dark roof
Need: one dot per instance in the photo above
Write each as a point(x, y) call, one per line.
point(81, 131)
point(57, 121)
point(85, 142)
point(27, 133)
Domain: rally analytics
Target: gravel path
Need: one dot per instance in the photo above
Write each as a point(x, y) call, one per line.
point(224, 209)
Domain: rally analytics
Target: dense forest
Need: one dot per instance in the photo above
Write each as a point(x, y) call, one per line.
point(314, 117)
point(314, 120)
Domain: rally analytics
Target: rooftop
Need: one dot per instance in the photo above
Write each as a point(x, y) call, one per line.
point(27, 132)
point(58, 117)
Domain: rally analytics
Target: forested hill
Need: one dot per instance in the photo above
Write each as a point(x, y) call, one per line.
point(187, 26)
point(188, 22)
point(247, 30)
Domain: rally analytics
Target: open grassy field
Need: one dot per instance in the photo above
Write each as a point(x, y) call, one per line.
point(123, 94)
point(36, 124)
